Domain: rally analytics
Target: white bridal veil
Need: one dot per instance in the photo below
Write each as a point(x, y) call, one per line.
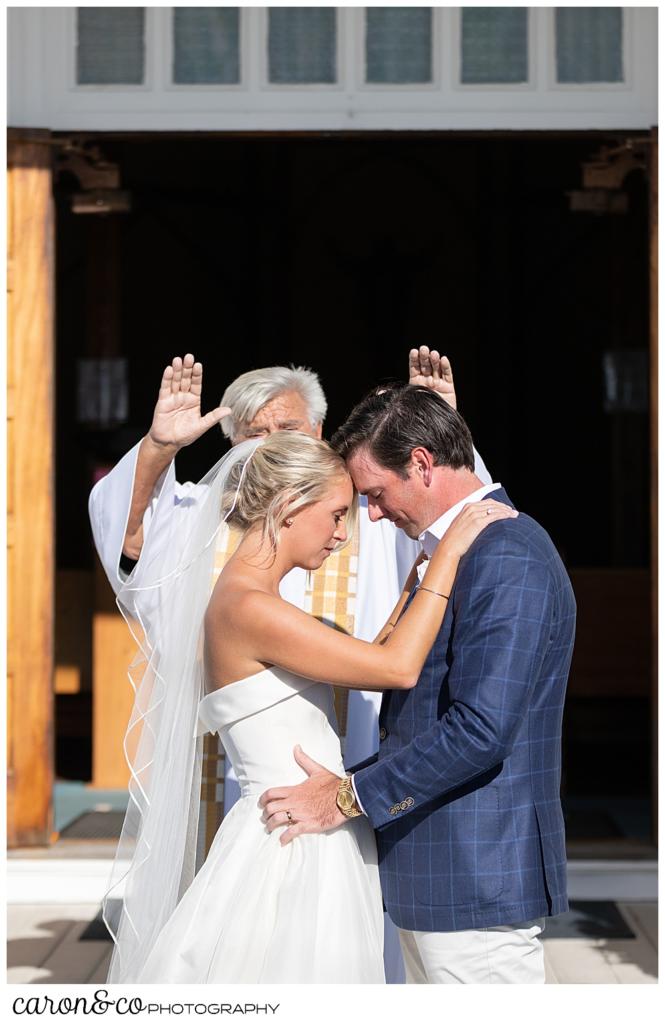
point(156, 857)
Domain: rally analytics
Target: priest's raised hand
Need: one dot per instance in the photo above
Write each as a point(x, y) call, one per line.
point(176, 422)
point(177, 419)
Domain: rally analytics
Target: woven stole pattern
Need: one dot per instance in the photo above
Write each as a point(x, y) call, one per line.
point(330, 596)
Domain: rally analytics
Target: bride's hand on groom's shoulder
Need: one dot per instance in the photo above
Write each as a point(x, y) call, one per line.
point(470, 523)
point(430, 370)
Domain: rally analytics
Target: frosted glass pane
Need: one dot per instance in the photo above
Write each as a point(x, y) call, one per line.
point(494, 45)
point(301, 44)
point(206, 45)
point(398, 45)
point(109, 45)
point(589, 44)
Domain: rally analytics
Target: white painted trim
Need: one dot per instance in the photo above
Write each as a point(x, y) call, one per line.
point(350, 54)
point(162, 35)
point(41, 93)
point(253, 53)
point(69, 880)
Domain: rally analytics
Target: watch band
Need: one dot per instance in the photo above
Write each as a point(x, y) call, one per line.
point(346, 798)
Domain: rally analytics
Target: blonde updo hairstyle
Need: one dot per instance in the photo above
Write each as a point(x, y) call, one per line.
point(286, 472)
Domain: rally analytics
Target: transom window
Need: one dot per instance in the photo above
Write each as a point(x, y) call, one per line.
point(589, 44)
point(494, 45)
point(206, 45)
point(110, 45)
point(301, 46)
point(398, 45)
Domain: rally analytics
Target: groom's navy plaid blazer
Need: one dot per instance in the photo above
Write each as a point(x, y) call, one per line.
point(464, 794)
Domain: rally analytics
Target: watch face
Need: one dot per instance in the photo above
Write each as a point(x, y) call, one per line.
point(345, 800)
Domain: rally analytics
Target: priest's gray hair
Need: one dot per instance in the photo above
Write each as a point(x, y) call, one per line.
point(249, 392)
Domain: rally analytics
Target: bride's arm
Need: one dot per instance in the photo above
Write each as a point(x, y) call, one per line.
point(410, 583)
point(276, 633)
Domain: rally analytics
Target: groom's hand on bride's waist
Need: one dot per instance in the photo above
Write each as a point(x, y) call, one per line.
point(308, 807)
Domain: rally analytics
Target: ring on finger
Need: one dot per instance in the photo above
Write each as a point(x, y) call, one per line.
point(289, 817)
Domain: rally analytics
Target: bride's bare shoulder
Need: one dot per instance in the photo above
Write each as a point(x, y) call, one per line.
point(241, 602)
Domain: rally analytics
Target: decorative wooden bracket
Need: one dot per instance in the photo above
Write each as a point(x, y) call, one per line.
point(603, 177)
point(613, 164)
point(87, 164)
point(98, 178)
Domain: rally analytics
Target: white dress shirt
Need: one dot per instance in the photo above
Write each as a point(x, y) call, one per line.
point(430, 537)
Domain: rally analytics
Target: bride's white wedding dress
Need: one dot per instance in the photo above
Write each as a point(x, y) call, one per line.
point(308, 912)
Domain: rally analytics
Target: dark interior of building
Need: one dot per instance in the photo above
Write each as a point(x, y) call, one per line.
point(341, 253)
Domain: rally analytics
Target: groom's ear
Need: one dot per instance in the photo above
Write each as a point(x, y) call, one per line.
point(422, 463)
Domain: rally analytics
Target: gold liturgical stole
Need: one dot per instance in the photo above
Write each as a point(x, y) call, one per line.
point(330, 595)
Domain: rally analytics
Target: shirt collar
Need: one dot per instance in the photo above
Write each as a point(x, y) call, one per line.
point(430, 537)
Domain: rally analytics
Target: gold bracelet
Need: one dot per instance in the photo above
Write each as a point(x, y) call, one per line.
point(446, 597)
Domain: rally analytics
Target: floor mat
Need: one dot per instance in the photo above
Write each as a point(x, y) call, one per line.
point(589, 919)
point(95, 825)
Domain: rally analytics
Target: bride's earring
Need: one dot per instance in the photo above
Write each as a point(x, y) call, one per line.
point(288, 522)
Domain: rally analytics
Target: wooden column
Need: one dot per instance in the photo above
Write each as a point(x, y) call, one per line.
point(653, 332)
point(30, 489)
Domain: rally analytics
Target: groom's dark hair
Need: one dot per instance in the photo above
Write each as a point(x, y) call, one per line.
point(394, 419)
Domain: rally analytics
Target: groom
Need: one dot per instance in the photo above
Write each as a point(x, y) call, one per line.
point(464, 792)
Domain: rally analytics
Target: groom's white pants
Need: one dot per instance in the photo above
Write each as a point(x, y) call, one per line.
point(505, 955)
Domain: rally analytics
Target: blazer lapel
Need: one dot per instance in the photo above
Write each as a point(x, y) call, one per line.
point(498, 495)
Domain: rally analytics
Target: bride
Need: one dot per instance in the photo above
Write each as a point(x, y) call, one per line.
point(249, 665)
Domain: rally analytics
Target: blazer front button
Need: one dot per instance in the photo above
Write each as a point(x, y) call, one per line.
point(382, 733)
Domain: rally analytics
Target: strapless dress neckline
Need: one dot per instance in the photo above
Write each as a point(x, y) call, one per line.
point(258, 911)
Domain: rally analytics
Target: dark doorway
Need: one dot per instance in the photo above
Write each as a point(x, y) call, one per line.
point(341, 254)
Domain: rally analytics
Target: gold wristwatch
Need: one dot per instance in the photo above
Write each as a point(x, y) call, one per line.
point(346, 799)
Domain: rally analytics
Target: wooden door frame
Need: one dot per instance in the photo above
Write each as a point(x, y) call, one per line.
point(30, 487)
point(30, 483)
